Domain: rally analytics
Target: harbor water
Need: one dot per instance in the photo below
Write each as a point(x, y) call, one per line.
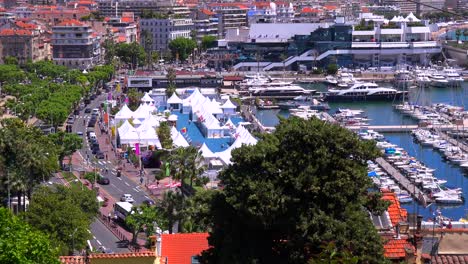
point(382, 113)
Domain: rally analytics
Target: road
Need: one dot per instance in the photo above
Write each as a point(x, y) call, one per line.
point(102, 237)
point(118, 185)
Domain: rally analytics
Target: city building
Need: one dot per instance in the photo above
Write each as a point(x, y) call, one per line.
point(271, 12)
point(162, 30)
point(125, 27)
point(205, 23)
point(373, 43)
point(23, 44)
point(56, 14)
point(147, 80)
point(405, 7)
point(230, 15)
point(75, 45)
point(113, 8)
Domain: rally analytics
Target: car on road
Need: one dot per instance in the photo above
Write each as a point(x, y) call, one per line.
point(148, 202)
point(95, 112)
point(95, 151)
point(92, 123)
point(103, 180)
point(122, 243)
point(99, 155)
point(79, 133)
point(127, 198)
point(71, 120)
point(87, 110)
point(76, 112)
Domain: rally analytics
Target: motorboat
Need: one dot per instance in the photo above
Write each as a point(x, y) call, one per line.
point(438, 80)
point(452, 76)
point(302, 100)
point(345, 80)
point(363, 92)
point(331, 80)
point(279, 91)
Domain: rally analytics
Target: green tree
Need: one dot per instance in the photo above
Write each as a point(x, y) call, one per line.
point(20, 244)
point(11, 74)
point(458, 33)
point(196, 212)
point(10, 60)
point(186, 162)
point(170, 207)
point(208, 42)
point(132, 54)
point(66, 143)
point(280, 201)
point(181, 48)
point(134, 98)
point(141, 218)
point(164, 135)
point(332, 69)
point(171, 84)
point(65, 214)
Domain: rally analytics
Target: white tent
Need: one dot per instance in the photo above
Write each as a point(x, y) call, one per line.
point(147, 99)
point(206, 152)
point(124, 113)
point(153, 121)
point(412, 18)
point(174, 102)
point(127, 133)
point(228, 107)
point(172, 118)
point(242, 136)
point(178, 139)
point(215, 107)
point(229, 125)
point(143, 111)
point(148, 135)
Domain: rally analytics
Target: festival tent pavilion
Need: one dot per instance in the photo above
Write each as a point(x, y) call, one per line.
point(228, 108)
point(128, 134)
point(242, 136)
point(123, 114)
point(178, 139)
point(146, 99)
point(174, 102)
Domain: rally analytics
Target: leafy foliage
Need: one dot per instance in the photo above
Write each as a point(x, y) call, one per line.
point(133, 53)
point(332, 69)
point(164, 135)
point(66, 143)
point(170, 208)
point(20, 244)
point(141, 217)
point(65, 214)
point(134, 97)
point(186, 163)
point(182, 47)
point(296, 189)
point(208, 42)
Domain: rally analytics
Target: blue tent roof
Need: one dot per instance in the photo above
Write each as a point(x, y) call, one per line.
point(372, 174)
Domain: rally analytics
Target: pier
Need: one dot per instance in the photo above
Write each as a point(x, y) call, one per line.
point(404, 182)
point(454, 142)
point(249, 116)
point(403, 128)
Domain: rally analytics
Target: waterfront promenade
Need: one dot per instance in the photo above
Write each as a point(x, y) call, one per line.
point(404, 182)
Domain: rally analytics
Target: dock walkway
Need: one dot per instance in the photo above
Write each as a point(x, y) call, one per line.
point(404, 182)
point(461, 145)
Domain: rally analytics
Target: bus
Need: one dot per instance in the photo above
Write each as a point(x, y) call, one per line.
point(122, 210)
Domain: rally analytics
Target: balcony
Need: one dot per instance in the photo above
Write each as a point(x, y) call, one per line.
point(369, 45)
point(425, 44)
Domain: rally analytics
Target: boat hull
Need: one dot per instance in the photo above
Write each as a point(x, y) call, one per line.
point(378, 97)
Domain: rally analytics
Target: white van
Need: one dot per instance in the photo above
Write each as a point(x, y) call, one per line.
point(92, 135)
point(95, 111)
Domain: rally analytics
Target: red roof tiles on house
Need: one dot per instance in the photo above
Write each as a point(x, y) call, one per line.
point(71, 23)
point(25, 25)
point(396, 213)
point(330, 7)
point(127, 19)
point(149, 254)
point(180, 248)
point(15, 32)
point(207, 12)
point(455, 259)
point(395, 248)
point(309, 10)
point(72, 259)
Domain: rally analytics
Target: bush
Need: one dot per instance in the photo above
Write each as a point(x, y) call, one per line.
point(332, 69)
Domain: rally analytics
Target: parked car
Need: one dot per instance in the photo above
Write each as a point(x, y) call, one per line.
point(103, 180)
point(127, 198)
point(79, 133)
point(87, 110)
point(91, 123)
point(76, 112)
point(148, 202)
point(66, 167)
point(71, 120)
point(123, 243)
point(95, 151)
point(99, 155)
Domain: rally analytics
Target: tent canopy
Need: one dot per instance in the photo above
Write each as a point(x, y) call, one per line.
point(228, 105)
point(147, 99)
point(174, 99)
point(124, 113)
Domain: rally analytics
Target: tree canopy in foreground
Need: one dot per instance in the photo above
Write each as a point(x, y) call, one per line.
point(300, 188)
point(20, 244)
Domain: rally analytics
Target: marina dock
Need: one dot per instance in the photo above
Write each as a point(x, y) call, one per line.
point(249, 116)
point(461, 145)
point(402, 128)
point(404, 182)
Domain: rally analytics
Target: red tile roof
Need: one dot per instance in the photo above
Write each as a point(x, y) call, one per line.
point(309, 10)
point(72, 259)
point(238, 5)
point(365, 9)
point(122, 39)
point(127, 19)
point(180, 248)
point(15, 32)
point(396, 213)
point(207, 12)
point(71, 23)
point(25, 25)
point(330, 7)
point(395, 248)
point(149, 254)
point(455, 259)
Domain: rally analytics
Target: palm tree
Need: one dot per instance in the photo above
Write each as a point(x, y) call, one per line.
point(171, 87)
point(186, 163)
point(283, 58)
point(171, 207)
point(458, 33)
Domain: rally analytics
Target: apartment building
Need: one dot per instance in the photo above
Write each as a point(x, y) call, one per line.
point(56, 14)
point(23, 44)
point(230, 16)
point(271, 12)
point(75, 45)
point(162, 30)
point(205, 23)
point(125, 27)
point(116, 8)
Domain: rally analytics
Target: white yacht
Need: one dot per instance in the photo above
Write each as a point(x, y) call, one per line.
point(345, 80)
point(331, 80)
point(364, 91)
point(280, 91)
point(438, 80)
point(452, 76)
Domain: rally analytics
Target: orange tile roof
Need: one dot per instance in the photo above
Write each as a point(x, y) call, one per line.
point(396, 213)
point(71, 23)
point(127, 19)
point(395, 248)
point(180, 248)
point(309, 10)
point(443, 259)
point(238, 5)
point(122, 39)
point(365, 9)
point(72, 259)
point(149, 254)
point(207, 12)
point(330, 7)
point(25, 25)
point(15, 32)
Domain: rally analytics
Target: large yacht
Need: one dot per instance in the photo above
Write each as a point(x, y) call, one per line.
point(259, 79)
point(438, 80)
point(453, 77)
point(287, 91)
point(364, 91)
